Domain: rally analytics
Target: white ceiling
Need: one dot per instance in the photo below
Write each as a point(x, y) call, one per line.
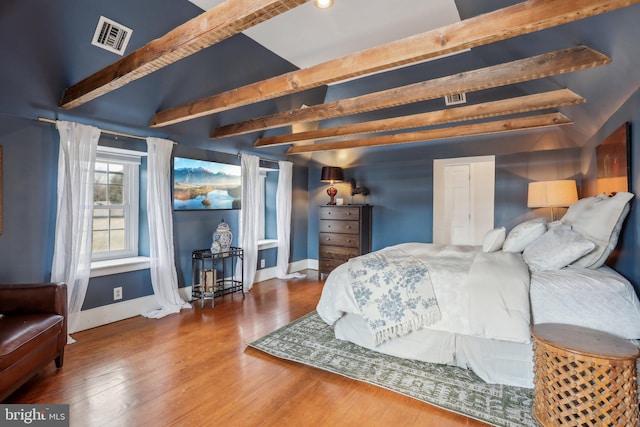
point(307, 35)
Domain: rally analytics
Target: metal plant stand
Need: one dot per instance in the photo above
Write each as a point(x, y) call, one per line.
point(214, 275)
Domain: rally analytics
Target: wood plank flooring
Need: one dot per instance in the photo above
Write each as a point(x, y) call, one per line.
point(194, 369)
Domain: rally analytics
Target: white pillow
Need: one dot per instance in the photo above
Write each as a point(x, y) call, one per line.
point(493, 239)
point(580, 206)
point(613, 240)
point(598, 223)
point(556, 249)
point(523, 234)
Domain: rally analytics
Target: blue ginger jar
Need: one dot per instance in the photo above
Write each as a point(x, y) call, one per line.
point(222, 238)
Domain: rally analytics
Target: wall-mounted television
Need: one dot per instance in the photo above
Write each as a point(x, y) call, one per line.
point(205, 185)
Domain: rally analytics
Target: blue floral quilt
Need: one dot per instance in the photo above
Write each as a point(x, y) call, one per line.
point(394, 292)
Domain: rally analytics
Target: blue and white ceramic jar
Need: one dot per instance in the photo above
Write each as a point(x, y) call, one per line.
point(222, 238)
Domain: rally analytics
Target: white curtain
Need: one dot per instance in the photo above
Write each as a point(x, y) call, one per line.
point(164, 278)
point(283, 219)
point(249, 218)
point(72, 248)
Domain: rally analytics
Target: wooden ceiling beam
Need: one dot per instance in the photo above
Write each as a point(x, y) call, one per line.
point(554, 63)
point(500, 126)
point(509, 22)
point(211, 27)
point(521, 104)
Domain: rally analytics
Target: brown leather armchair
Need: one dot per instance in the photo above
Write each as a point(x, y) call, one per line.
point(33, 331)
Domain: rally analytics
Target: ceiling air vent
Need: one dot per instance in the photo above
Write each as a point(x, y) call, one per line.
point(111, 36)
point(456, 98)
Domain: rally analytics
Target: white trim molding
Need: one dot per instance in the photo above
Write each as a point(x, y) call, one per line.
point(270, 273)
point(120, 265)
point(267, 244)
point(106, 314)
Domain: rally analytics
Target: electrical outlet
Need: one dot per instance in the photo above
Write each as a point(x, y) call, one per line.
point(262, 263)
point(117, 293)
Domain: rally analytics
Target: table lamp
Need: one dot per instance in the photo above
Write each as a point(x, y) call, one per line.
point(552, 194)
point(331, 174)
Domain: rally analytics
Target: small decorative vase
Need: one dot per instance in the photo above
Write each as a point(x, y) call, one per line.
point(222, 238)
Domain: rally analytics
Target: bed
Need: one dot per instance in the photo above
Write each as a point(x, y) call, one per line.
point(472, 306)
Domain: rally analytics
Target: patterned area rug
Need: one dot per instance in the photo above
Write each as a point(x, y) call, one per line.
point(310, 341)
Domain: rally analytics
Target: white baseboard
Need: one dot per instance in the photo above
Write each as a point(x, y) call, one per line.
point(312, 264)
point(265, 274)
point(303, 265)
point(99, 316)
point(270, 273)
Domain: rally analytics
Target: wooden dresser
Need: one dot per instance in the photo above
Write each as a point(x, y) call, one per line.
point(345, 232)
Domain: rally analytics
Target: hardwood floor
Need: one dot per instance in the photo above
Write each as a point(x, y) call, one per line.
point(194, 369)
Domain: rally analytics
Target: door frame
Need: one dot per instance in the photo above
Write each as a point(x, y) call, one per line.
point(482, 190)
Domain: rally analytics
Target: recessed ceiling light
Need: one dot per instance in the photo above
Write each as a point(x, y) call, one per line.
point(323, 4)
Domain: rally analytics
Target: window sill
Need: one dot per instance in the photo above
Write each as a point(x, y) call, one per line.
point(121, 265)
point(267, 244)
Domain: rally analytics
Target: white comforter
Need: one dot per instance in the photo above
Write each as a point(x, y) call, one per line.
point(479, 294)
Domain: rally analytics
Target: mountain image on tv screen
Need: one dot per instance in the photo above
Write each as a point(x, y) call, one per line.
point(202, 185)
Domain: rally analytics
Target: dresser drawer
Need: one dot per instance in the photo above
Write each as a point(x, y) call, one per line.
point(333, 239)
point(344, 233)
point(325, 266)
point(340, 213)
point(331, 226)
point(338, 252)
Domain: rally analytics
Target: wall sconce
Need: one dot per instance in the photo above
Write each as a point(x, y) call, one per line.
point(331, 174)
point(552, 194)
point(358, 190)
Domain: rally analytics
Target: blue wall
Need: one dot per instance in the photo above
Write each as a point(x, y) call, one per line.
point(400, 178)
point(34, 83)
point(30, 155)
point(626, 258)
point(30, 167)
point(401, 193)
point(29, 175)
point(402, 187)
point(193, 230)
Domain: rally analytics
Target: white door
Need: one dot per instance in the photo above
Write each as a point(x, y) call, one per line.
point(463, 195)
point(457, 206)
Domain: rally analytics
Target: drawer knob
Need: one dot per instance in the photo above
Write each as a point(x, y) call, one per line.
point(349, 227)
point(348, 213)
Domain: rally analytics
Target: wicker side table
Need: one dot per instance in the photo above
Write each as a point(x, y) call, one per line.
point(583, 377)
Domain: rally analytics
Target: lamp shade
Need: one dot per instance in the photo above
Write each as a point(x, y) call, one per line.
point(544, 194)
point(331, 174)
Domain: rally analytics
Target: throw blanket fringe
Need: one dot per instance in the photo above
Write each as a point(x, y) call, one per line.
point(394, 293)
point(418, 322)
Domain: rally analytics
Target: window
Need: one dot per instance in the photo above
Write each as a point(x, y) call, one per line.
point(267, 202)
point(267, 227)
point(115, 204)
point(261, 206)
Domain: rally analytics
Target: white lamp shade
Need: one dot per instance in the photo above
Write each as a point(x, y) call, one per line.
point(546, 194)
